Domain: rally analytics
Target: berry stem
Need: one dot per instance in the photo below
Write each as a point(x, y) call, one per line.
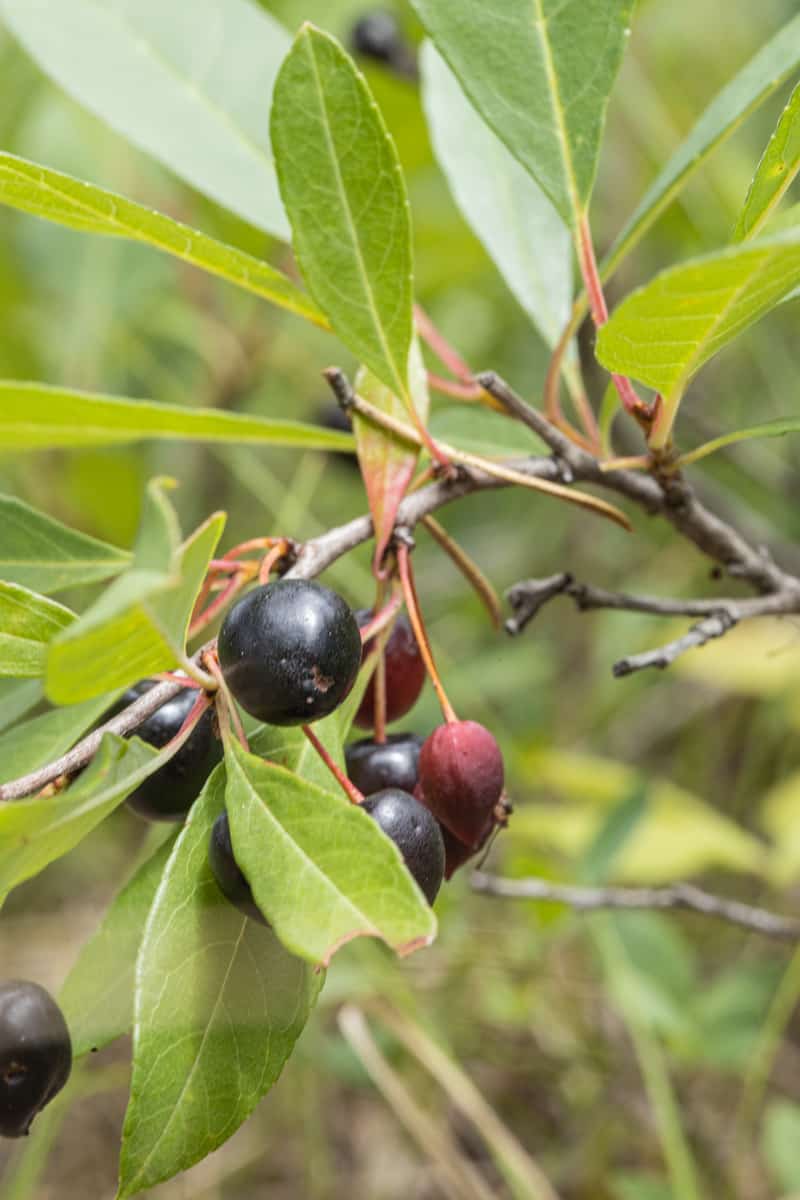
point(350, 790)
point(468, 568)
point(227, 712)
point(270, 559)
point(447, 387)
point(234, 584)
point(420, 633)
point(379, 722)
point(382, 618)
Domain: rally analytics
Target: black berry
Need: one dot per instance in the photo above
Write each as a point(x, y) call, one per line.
point(290, 651)
point(461, 779)
point(373, 766)
point(455, 852)
point(405, 673)
point(416, 834)
point(378, 35)
point(170, 792)
point(225, 869)
point(35, 1054)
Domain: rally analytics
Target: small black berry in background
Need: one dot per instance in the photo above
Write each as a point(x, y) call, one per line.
point(290, 651)
point(225, 869)
point(416, 834)
point(170, 792)
point(377, 35)
point(372, 766)
point(35, 1054)
point(405, 672)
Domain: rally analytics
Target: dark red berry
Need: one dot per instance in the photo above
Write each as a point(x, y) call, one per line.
point(35, 1054)
point(455, 852)
point(416, 834)
point(375, 765)
point(170, 792)
point(405, 672)
point(290, 651)
point(225, 869)
point(461, 776)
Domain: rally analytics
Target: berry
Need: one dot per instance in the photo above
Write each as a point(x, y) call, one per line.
point(416, 834)
point(377, 35)
point(225, 869)
point(168, 794)
point(290, 651)
point(375, 765)
point(35, 1054)
point(405, 672)
point(461, 777)
point(455, 852)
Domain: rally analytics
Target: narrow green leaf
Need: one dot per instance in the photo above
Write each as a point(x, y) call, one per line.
point(766, 429)
point(192, 92)
point(540, 73)
point(761, 76)
point(36, 417)
point(28, 622)
point(219, 1006)
point(84, 206)
point(664, 332)
point(40, 553)
point(47, 737)
point(320, 869)
point(387, 464)
point(139, 625)
point(35, 832)
point(343, 188)
point(506, 209)
point(97, 997)
point(775, 172)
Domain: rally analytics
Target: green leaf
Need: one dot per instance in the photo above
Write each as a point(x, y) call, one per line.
point(761, 76)
point(36, 417)
point(766, 429)
point(664, 332)
point(28, 622)
point(780, 1138)
point(17, 696)
point(84, 206)
point(219, 1006)
point(194, 93)
point(343, 188)
point(320, 869)
point(139, 625)
point(775, 172)
point(47, 737)
point(40, 553)
point(540, 73)
point(35, 832)
point(97, 997)
point(506, 209)
point(387, 464)
point(482, 431)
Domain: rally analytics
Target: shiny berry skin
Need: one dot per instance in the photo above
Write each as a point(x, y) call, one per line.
point(170, 792)
point(230, 879)
point(405, 672)
point(461, 776)
point(290, 651)
point(35, 1054)
point(377, 35)
point(373, 766)
point(416, 834)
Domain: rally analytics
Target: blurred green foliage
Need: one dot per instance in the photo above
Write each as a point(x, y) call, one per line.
point(592, 1039)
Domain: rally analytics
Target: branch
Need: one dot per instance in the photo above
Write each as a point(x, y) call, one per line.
point(675, 896)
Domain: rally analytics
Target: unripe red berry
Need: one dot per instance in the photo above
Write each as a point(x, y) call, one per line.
point(405, 672)
point(461, 776)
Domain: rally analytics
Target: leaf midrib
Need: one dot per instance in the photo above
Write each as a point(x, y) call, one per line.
point(540, 29)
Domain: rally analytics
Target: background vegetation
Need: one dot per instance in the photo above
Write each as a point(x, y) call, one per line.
point(612, 1049)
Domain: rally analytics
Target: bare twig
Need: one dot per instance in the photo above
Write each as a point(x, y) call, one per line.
point(675, 896)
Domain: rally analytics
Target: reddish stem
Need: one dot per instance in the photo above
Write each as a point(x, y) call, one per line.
point(381, 619)
point(420, 633)
point(262, 543)
point(441, 347)
point(350, 790)
point(215, 607)
point(227, 711)
point(276, 553)
point(462, 391)
point(170, 677)
point(631, 402)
